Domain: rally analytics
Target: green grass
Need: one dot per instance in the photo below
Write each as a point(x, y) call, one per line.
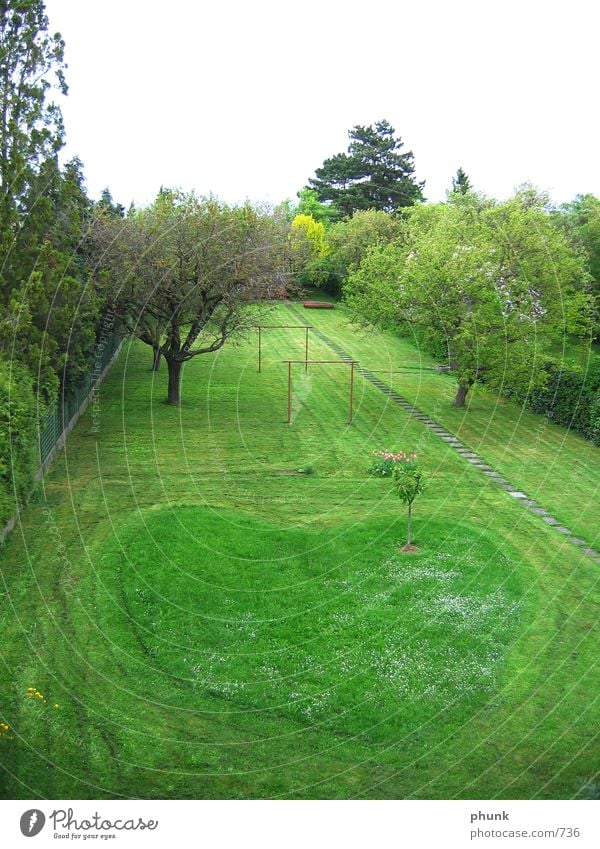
point(557, 468)
point(213, 623)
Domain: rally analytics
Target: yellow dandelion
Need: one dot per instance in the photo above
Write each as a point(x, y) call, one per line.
point(55, 706)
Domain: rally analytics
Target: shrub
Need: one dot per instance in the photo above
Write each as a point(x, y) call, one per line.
point(17, 438)
point(385, 462)
point(568, 396)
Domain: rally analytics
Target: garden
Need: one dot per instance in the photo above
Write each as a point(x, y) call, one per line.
point(185, 621)
point(298, 497)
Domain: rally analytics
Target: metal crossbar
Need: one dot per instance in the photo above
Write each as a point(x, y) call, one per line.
point(261, 327)
point(308, 363)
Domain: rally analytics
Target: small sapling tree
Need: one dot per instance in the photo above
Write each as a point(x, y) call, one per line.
point(408, 482)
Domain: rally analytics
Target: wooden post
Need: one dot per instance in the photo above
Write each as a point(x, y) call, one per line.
point(306, 362)
point(259, 349)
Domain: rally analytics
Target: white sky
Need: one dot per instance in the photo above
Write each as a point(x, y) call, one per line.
point(245, 98)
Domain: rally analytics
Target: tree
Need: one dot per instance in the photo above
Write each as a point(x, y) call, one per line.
point(494, 285)
point(31, 128)
point(373, 174)
point(185, 273)
point(307, 246)
point(351, 239)
point(461, 183)
point(408, 482)
point(50, 313)
point(47, 316)
point(309, 204)
point(580, 220)
point(106, 202)
point(348, 242)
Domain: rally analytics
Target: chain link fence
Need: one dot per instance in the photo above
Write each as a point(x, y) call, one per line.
point(55, 426)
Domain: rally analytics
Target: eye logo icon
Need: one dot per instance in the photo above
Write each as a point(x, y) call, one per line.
point(32, 822)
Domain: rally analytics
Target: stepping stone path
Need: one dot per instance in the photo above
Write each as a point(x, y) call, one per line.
point(457, 445)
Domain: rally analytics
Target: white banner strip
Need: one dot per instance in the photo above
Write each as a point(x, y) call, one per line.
point(298, 824)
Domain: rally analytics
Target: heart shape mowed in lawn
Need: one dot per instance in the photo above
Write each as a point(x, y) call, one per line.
point(333, 626)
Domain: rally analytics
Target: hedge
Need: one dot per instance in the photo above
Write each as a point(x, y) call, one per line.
point(18, 455)
point(570, 397)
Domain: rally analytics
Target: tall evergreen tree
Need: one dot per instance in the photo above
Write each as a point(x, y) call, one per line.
point(373, 174)
point(461, 183)
point(112, 208)
point(31, 127)
point(48, 316)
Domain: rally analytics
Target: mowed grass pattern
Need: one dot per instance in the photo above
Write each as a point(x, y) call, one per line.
point(552, 465)
point(213, 624)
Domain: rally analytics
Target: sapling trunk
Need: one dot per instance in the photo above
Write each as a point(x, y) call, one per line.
point(156, 355)
point(409, 534)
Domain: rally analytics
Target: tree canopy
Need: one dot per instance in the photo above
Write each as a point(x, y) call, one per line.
point(374, 173)
point(309, 204)
point(31, 127)
point(348, 242)
point(491, 285)
point(48, 315)
point(580, 220)
point(183, 273)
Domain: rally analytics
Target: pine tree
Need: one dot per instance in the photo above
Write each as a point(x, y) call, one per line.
point(112, 208)
point(373, 174)
point(48, 315)
point(31, 127)
point(461, 183)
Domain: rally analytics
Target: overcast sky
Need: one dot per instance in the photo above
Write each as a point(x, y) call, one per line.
point(246, 99)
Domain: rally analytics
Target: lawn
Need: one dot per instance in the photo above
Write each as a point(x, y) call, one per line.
point(559, 469)
point(212, 622)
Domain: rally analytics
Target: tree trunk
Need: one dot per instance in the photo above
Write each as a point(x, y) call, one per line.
point(461, 394)
point(156, 355)
point(174, 396)
point(409, 534)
